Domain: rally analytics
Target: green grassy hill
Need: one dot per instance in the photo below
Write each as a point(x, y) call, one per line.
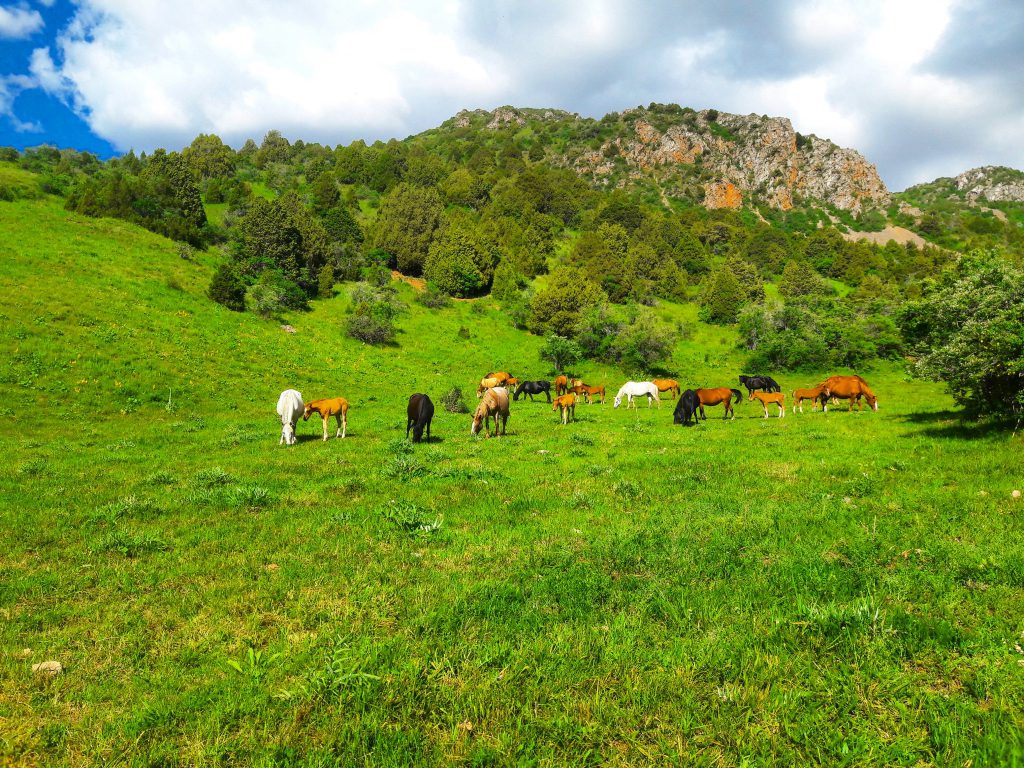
point(840, 589)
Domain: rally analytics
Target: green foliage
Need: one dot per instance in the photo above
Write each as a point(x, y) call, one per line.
point(227, 288)
point(207, 157)
point(325, 282)
point(561, 352)
point(968, 331)
point(722, 297)
point(457, 262)
point(373, 313)
point(273, 293)
point(560, 308)
point(405, 226)
point(800, 279)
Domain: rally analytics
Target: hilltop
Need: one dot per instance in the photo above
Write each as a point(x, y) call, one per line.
point(707, 157)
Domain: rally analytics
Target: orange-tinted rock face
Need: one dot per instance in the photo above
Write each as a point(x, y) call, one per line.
point(722, 194)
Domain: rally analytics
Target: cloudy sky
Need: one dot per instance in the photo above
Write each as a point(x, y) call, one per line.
point(923, 88)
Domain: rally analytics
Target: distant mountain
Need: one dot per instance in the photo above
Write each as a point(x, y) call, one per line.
point(988, 184)
point(712, 158)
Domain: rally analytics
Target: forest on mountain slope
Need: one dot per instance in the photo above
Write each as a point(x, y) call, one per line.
point(495, 210)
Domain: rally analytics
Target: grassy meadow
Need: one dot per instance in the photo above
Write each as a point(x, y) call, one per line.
point(841, 589)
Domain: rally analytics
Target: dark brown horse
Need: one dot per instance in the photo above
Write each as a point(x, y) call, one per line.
point(420, 414)
point(722, 395)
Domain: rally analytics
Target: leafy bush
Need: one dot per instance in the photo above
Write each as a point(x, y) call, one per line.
point(968, 330)
point(453, 402)
point(227, 288)
point(374, 310)
point(273, 293)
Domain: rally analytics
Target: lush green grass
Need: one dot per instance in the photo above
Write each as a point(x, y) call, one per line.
point(840, 589)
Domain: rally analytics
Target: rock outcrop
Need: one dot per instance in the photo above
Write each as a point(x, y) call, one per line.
point(992, 183)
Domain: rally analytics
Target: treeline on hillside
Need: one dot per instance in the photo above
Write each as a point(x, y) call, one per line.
point(477, 213)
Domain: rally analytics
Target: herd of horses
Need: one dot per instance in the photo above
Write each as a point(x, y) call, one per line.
point(497, 388)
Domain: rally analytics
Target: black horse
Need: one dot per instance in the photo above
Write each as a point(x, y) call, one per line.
point(420, 413)
point(532, 388)
point(764, 383)
point(686, 408)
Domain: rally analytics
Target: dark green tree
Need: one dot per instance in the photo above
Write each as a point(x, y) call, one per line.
point(405, 225)
point(562, 306)
point(227, 288)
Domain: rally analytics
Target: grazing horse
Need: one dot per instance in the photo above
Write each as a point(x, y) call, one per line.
point(532, 388)
point(686, 408)
point(667, 385)
point(420, 413)
point(632, 389)
point(561, 385)
point(486, 384)
point(848, 388)
point(501, 376)
point(722, 395)
point(332, 406)
point(289, 408)
point(511, 382)
point(590, 392)
point(567, 405)
point(754, 383)
point(493, 403)
point(770, 397)
point(814, 395)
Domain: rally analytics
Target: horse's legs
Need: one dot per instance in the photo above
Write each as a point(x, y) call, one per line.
point(344, 423)
point(324, 419)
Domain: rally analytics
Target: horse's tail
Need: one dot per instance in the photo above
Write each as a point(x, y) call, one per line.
point(738, 395)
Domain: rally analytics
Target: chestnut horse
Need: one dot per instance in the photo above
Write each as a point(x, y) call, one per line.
point(770, 397)
point(493, 403)
point(799, 395)
point(849, 388)
point(590, 392)
point(501, 376)
point(567, 405)
point(561, 385)
point(722, 395)
point(332, 406)
point(667, 385)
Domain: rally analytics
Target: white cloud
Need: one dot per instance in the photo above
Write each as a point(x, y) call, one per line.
point(18, 22)
point(860, 72)
point(10, 87)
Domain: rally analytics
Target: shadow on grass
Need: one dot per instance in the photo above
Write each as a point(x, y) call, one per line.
point(955, 425)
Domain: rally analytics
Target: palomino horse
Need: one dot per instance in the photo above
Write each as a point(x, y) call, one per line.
point(754, 383)
point(632, 389)
point(532, 388)
point(289, 408)
point(770, 397)
point(486, 384)
point(591, 392)
point(561, 385)
point(493, 403)
point(667, 385)
point(332, 406)
point(722, 395)
point(849, 388)
point(686, 408)
point(567, 405)
point(419, 415)
point(799, 395)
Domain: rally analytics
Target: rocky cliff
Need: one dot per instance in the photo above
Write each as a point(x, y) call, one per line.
point(710, 157)
point(740, 158)
point(991, 183)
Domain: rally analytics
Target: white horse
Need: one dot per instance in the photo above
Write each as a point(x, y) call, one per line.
point(289, 408)
point(633, 389)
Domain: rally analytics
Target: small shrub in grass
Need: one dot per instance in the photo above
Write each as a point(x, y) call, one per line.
point(131, 544)
point(160, 477)
point(433, 298)
point(337, 675)
point(247, 496)
point(212, 476)
point(403, 466)
point(463, 332)
point(411, 519)
point(254, 665)
point(453, 402)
